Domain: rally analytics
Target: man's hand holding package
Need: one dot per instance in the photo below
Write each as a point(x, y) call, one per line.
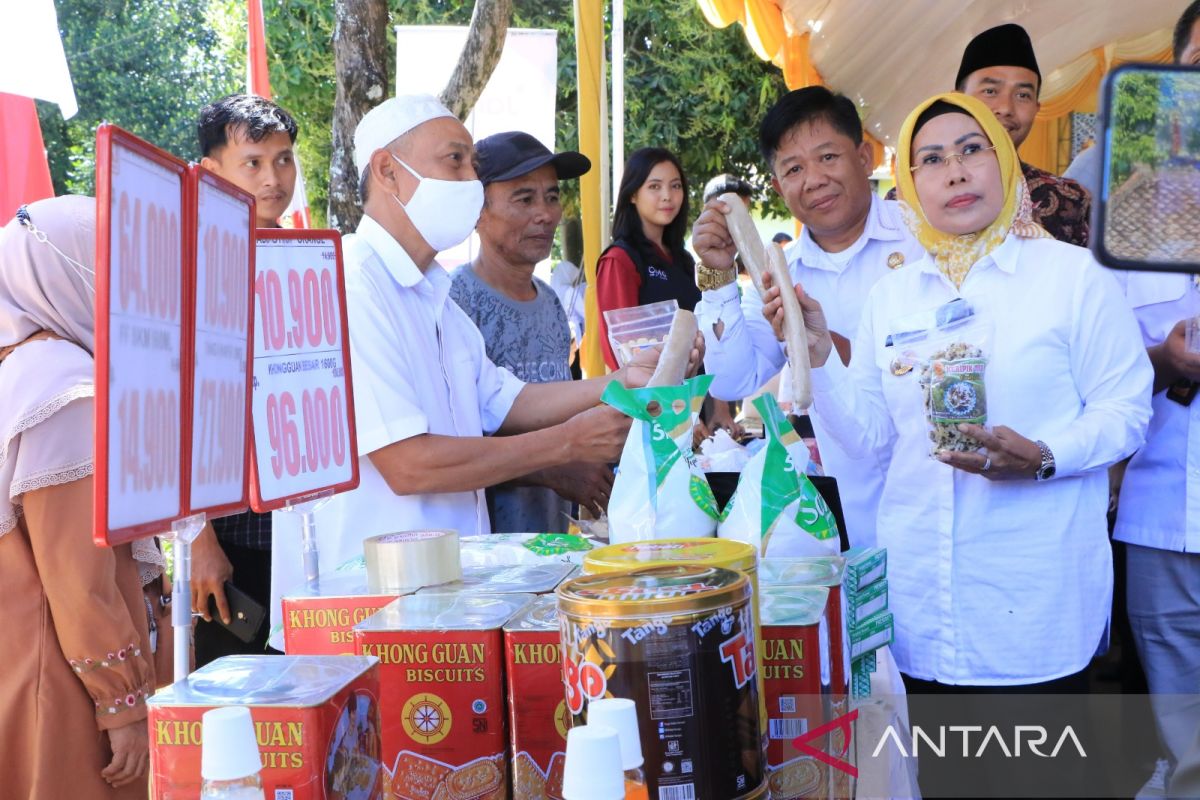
point(588, 484)
point(1172, 360)
point(637, 373)
point(820, 341)
point(597, 435)
point(1009, 457)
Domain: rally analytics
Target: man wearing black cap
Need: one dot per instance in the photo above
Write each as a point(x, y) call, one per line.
point(522, 321)
point(999, 68)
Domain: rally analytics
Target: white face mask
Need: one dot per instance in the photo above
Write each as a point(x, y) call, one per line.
point(443, 212)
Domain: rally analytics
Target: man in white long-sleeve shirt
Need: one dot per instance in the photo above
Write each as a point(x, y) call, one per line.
point(813, 141)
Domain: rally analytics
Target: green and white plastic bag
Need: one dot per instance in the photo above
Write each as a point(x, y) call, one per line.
point(776, 507)
point(660, 491)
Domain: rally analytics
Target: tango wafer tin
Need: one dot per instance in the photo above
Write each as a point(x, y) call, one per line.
point(724, 553)
point(680, 642)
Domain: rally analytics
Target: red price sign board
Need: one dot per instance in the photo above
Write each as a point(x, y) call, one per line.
point(140, 257)
point(220, 346)
point(303, 409)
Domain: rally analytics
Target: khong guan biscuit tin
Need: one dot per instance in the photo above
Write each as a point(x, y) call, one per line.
point(537, 710)
point(316, 720)
point(680, 642)
point(322, 622)
point(442, 693)
point(827, 571)
point(507, 579)
point(796, 673)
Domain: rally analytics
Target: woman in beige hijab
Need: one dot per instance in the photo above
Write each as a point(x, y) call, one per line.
point(75, 648)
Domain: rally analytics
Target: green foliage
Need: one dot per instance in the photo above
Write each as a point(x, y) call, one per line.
point(300, 57)
point(690, 88)
point(699, 92)
point(149, 65)
point(1136, 106)
point(145, 65)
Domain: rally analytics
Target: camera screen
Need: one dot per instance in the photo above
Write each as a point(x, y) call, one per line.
point(1152, 174)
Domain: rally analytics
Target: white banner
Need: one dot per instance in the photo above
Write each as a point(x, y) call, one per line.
point(520, 95)
point(32, 61)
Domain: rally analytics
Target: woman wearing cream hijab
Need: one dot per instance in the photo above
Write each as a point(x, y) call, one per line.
point(1000, 576)
point(1000, 573)
point(75, 645)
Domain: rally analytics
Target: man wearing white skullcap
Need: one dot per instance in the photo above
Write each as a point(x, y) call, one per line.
point(427, 399)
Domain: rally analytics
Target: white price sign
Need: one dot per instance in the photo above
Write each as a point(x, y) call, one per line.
point(139, 337)
point(303, 409)
point(221, 346)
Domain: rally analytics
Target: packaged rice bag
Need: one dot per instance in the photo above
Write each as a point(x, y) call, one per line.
point(660, 491)
point(776, 507)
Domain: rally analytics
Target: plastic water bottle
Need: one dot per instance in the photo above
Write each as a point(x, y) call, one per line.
point(230, 765)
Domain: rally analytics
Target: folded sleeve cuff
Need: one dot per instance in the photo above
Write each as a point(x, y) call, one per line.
point(390, 432)
point(719, 295)
point(1068, 454)
point(501, 401)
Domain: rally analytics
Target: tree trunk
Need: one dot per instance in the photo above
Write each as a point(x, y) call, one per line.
point(485, 42)
point(572, 241)
point(361, 67)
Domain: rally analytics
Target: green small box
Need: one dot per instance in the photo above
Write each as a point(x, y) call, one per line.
point(860, 684)
point(864, 566)
point(867, 661)
point(866, 603)
point(872, 634)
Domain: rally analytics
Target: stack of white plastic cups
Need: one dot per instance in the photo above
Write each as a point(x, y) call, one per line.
point(621, 715)
point(604, 757)
point(593, 769)
point(229, 759)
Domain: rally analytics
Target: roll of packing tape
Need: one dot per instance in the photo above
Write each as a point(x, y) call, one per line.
point(408, 560)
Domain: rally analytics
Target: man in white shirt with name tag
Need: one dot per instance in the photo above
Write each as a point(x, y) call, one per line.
point(813, 141)
point(425, 393)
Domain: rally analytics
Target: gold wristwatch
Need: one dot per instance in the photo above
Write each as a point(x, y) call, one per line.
point(709, 278)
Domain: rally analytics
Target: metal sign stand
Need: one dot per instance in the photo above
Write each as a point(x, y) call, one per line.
point(183, 533)
point(307, 509)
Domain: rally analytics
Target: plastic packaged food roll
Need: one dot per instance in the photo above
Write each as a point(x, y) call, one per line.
point(408, 560)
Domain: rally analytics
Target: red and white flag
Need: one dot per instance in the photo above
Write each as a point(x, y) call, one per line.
point(32, 64)
point(258, 81)
point(25, 175)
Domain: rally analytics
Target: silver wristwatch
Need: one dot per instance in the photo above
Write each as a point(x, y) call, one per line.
point(1046, 471)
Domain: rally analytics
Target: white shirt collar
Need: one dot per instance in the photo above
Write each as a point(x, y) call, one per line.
point(880, 227)
point(1004, 257)
point(397, 260)
point(434, 281)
